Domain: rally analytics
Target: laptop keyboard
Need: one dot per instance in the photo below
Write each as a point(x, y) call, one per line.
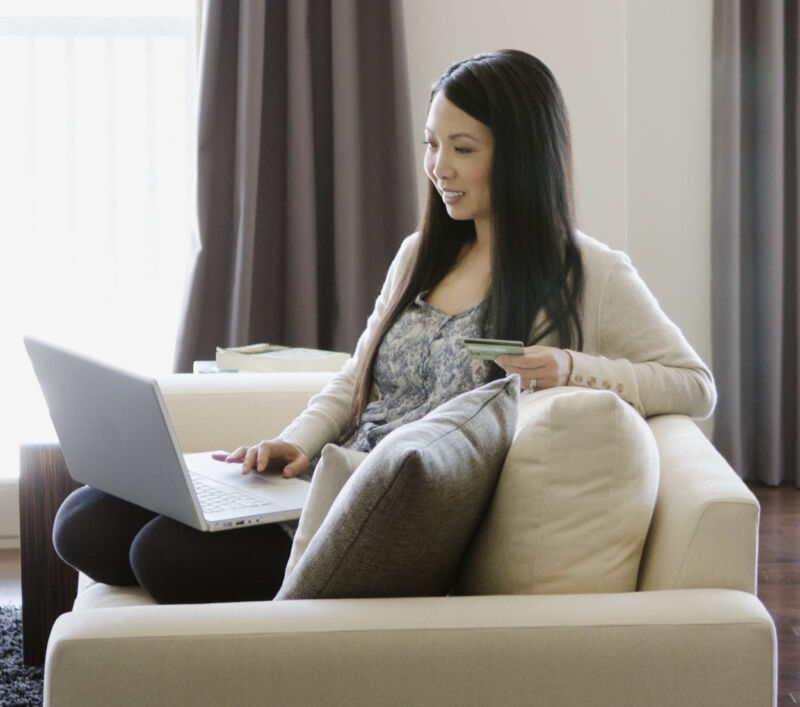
point(214, 499)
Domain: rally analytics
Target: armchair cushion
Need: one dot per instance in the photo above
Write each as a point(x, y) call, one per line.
point(403, 520)
point(573, 502)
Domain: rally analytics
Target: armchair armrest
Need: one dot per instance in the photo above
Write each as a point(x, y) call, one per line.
point(704, 531)
point(688, 647)
point(225, 410)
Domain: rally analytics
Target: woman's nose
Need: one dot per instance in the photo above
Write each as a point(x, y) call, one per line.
point(442, 167)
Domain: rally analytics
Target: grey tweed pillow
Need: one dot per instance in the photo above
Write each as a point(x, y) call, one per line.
point(402, 523)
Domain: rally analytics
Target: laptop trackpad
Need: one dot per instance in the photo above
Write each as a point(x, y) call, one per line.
point(270, 487)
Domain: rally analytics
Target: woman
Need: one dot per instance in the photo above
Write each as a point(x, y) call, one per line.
point(497, 127)
point(497, 255)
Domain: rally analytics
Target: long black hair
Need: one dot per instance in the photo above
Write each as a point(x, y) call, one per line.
point(536, 268)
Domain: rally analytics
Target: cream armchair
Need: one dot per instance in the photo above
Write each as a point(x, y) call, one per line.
point(693, 635)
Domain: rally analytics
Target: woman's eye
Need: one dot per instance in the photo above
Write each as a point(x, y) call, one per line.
point(431, 145)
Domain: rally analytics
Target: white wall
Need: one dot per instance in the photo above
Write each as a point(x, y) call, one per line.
point(9, 513)
point(669, 158)
point(636, 78)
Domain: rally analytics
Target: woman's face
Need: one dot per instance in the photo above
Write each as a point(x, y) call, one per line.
point(458, 160)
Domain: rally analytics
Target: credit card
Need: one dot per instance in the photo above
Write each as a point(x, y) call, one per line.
point(490, 349)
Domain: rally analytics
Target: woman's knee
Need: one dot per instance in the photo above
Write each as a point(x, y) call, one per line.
point(93, 531)
point(178, 564)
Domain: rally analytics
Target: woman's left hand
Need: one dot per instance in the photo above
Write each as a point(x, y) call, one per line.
point(544, 366)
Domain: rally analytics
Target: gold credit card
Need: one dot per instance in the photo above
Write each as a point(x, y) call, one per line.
point(490, 349)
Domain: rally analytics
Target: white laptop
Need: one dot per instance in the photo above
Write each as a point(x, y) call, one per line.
point(116, 435)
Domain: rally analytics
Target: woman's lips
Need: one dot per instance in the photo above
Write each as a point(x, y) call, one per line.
point(451, 197)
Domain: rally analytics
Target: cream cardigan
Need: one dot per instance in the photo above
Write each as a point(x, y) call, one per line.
point(629, 346)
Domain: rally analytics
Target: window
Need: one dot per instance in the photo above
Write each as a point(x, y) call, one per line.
point(98, 142)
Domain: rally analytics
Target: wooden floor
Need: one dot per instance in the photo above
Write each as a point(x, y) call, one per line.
point(778, 580)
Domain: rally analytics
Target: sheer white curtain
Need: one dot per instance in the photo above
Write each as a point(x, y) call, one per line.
point(97, 140)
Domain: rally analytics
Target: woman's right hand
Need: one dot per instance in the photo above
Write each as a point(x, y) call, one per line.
point(268, 455)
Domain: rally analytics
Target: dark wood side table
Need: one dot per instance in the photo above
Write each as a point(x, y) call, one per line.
point(49, 586)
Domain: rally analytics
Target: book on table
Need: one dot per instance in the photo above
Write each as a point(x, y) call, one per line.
point(272, 358)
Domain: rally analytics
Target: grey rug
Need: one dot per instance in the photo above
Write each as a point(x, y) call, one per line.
point(20, 684)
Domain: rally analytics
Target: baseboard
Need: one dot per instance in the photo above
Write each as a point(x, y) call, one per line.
point(9, 513)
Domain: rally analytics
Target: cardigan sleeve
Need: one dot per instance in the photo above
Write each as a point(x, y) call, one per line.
point(326, 414)
point(640, 353)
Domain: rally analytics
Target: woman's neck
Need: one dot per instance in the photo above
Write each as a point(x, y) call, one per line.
point(483, 233)
point(467, 283)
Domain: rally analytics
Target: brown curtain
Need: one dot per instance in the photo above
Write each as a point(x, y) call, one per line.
point(755, 236)
point(305, 172)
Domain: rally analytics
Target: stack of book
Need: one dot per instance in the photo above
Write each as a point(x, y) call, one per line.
point(271, 358)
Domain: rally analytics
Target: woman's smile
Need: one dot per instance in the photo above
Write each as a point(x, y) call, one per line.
point(451, 197)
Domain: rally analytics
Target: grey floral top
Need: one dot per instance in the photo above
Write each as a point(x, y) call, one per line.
point(421, 364)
